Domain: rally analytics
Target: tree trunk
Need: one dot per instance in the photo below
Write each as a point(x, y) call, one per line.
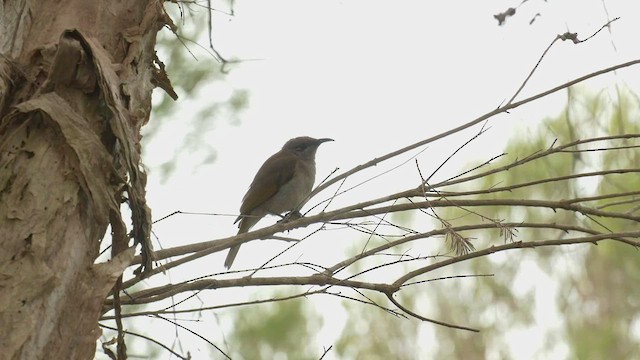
point(75, 88)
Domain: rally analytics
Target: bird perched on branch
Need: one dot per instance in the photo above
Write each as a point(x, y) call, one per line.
point(282, 184)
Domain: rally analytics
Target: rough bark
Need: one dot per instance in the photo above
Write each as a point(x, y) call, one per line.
point(75, 88)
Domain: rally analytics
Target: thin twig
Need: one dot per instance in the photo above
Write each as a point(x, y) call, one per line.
point(325, 352)
point(148, 339)
point(622, 236)
point(437, 322)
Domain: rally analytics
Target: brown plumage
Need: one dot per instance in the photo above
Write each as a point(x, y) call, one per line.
point(281, 184)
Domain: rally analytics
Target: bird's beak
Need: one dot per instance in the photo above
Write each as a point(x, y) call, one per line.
point(323, 140)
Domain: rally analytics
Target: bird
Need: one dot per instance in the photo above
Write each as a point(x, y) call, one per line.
point(282, 184)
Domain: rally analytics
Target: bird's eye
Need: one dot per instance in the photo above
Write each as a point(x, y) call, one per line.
point(300, 148)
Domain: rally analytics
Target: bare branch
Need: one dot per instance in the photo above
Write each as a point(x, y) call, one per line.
point(623, 237)
point(417, 316)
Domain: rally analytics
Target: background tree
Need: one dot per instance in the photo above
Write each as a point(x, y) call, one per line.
point(277, 329)
point(196, 72)
point(585, 282)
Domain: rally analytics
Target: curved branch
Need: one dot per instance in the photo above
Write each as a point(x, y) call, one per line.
point(417, 316)
point(522, 245)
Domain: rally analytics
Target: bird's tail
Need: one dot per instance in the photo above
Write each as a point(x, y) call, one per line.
point(233, 251)
point(245, 224)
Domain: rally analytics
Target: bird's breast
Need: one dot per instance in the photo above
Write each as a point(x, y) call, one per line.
point(295, 191)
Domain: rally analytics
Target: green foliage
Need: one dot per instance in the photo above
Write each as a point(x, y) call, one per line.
point(279, 330)
point(372, 333)
point(198, 78)
point(593, 293)
point(600, 302)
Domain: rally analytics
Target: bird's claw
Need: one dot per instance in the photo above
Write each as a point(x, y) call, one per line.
point(293, 215)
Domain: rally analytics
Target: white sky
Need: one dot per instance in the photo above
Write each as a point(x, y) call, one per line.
point(375, 76)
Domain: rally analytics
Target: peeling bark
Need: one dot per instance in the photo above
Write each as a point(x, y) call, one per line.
point(75, 89)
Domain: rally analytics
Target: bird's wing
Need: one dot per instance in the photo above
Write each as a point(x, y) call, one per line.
point(274, 173)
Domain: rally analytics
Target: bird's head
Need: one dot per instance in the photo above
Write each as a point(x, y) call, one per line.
point(304, 146)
